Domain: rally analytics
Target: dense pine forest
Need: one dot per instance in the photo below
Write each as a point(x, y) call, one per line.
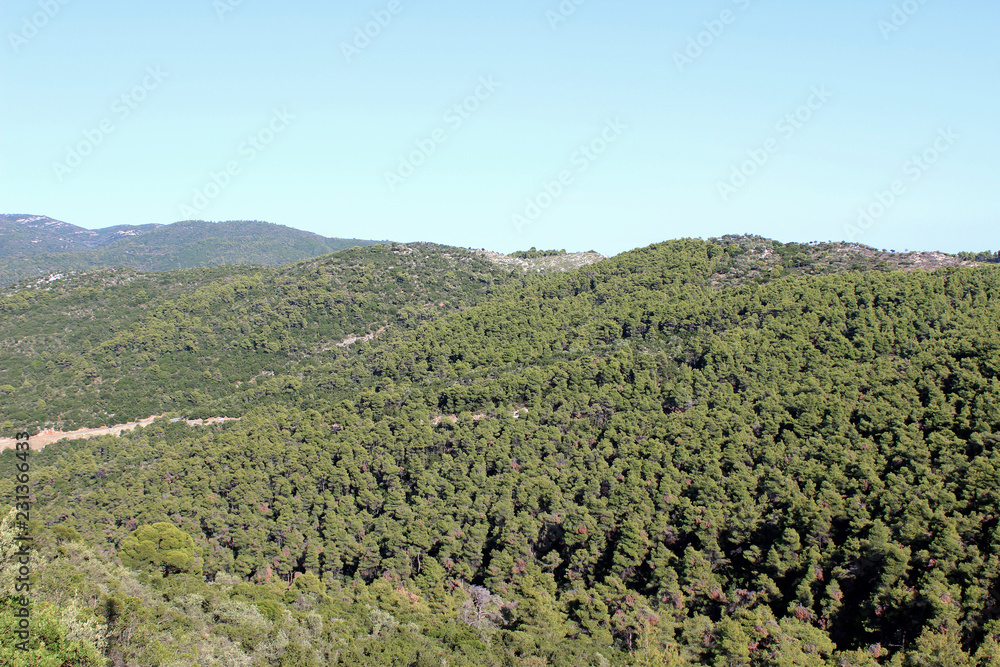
point(725, 452)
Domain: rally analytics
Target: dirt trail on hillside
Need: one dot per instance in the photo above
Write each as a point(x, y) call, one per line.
point(50, 436)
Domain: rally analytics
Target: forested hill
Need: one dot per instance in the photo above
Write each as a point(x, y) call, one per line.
point(37, 246)
point(84, 350)
point(732, 452)
point(116, 345)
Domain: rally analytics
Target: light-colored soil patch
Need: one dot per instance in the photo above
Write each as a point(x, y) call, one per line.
point(50, 436)
point(548, 264)
point(352, 339)
point(910, 261)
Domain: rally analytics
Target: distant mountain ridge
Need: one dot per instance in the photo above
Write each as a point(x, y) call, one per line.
point(23, 234)
point(37, 245)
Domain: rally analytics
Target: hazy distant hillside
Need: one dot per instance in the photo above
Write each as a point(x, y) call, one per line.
point(38, 234)
point(38, 245)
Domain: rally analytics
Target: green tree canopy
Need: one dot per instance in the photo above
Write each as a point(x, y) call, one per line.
point(162, 546)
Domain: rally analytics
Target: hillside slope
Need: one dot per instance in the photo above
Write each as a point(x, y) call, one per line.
point(678, 455)
point(113, 346)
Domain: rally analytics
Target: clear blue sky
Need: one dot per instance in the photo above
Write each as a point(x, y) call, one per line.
point(683, 140)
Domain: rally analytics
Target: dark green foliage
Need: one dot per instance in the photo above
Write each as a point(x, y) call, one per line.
point(985, 256)
point(534, 253)
point(675, 456)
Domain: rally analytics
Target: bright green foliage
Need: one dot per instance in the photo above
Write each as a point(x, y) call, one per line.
point(58, 637)
point(161, 546)
point(50, 644)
